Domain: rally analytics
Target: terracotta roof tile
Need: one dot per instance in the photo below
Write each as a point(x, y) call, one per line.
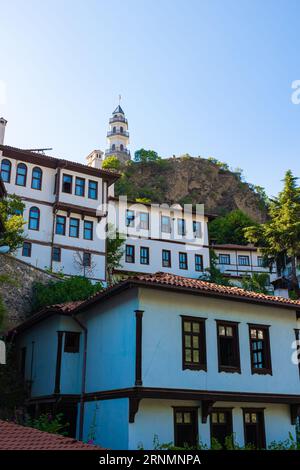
point(16, 437)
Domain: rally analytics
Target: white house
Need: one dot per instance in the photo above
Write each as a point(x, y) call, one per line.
point(167, 358)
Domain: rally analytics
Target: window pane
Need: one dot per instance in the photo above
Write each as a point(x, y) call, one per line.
point(260, 334)
point(253, 417)
point(188, 355)
point(247, 417)
point(187, 341)
point(253, 333)
point(187, 418)
point(179, 418)
point(195, 355)
point(222, 330)
point(228, 330)
point(214, 418)
point(187, 326)
point(196, 327)
point(196, 342)
point(222, 418)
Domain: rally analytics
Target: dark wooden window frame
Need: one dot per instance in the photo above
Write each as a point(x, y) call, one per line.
point(6, 161)
point(256, 410)
point(202, 365)
point(90, 190)
point(77, 179)
point(59, 251)
point(147, 258)
point(29, 250)
point(90, 230)
point(77, 227)
point(21, 165)
point(37, 211)
point(170, 259)
point(71, 184)
point(194, 410)
point(226, 410)
point(235, 327)
point(73, 338)
point(268, 369)
point(227, 256)
point(64, 224)
point(133, 254)
point(197, 264)
point(87, 256)
point(40, 179)
point(186, 261)
point(143, 222)
point(246, 257)
point(163, 225)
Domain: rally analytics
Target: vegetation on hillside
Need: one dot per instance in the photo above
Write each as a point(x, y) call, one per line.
point(230, 228)
point(11, 213)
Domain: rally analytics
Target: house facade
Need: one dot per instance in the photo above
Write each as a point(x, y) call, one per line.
point(163, 358)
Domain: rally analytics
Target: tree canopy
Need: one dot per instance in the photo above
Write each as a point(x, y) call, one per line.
point(11, 213)
point(143, 156)
point(230, 228)
point(111, 163)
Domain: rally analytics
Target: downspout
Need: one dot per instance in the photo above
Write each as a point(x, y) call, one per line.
point(83, 378)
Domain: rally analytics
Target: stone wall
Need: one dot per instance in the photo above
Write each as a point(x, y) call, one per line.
point(18, 297)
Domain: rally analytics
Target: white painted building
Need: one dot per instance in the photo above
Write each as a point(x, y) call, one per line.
point(169, 359)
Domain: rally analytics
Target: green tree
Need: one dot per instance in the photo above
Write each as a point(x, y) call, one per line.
point(230, 228)
point(281, 233)
point(143, 156)
point(114, 252)
point(11, 210)
point(213, 274)
point(111, 163)
point(65, 290)
point(257, 282)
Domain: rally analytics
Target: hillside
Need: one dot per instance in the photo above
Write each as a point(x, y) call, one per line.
point(191, 180)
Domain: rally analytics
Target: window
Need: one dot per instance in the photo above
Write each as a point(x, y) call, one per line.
point(165, 224)
point(166, 258)
point(193, 343)
point(60, 225)
point(254, 428)
point(113, 147)
point(224, 259)
point(67, 184)
point(181, 226)
point(228, 347)
point(56, 253)
point(93, 190)
point(121, 147)
point(34, 218)
point(87, 259)
point(197, 229)
point(243, 260)
point(26, 250)
point(74, 228)
point(144, 220)
point(198, 263)
point(185, 427)
point(21, 174)
point(71, 342)
point(129, 254)
point(5, 170)
point(260, 261)
point(36, 181)
point(130, 218)
point(260, 349)
point(221, 424)
point(114, 129)
point(23, 362)
point(144, 255)
point(79, 186)
point(183, 262)
point(88, 230)
point(121, 130)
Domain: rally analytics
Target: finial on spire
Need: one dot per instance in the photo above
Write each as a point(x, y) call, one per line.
point(120, 99)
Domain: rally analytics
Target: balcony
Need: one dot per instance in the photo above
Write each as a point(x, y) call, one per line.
point(117, 151)
point(118, 119)
point(118, 132)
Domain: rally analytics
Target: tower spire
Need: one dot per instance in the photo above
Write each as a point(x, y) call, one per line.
point(118, 135)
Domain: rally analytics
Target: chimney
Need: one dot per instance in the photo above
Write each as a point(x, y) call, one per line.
point(94, 159)
point(3, 123)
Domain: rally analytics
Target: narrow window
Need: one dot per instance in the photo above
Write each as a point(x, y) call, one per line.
point(121, 147)
point(185, 427)
point(193, 343)
point(23, 362)
point(114, 129)
point(67, 184)
point(56, 253)
point(121, 129)
point(21, 174)
point(87, 259)
point(260, 261)
point(198, 263)
point(228, 347)
point(144, 252)
point(166, 258)
point(88, 230)
point(224, 259)
point(130, 218)
point(5, 170)
point(260, 349)
point(60, 228)
point(183, 262)
point(181, 227)
point(113, 147)
point(254, 428)
point(129, 253)
point(34, 218)
point(79, 186)
point(74, 228)
point(144, 220)
point(93, 190)
point(243, 260)
point(71, 342)
point(26, 250)
point(197, 229)
point(36, 181)
point(166, 224)
point(221, 424)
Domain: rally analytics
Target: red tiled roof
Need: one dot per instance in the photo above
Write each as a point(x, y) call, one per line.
point(16, 437)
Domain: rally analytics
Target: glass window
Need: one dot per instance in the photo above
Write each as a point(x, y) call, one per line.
point(26, 250)
point(36, 182)
point(87, 259)
point(144, 255)
point(221, 425)
point(224, 259)
point(166, 224)
point(181, 226)
point(130, 218)
point(185, 427)
point(74, 228)
point(93, 190)
point(228, 347)
point(21, 174)
point(198, 263)
point(243, 260)
point(5, 170)
point(67, 184)
point(183, 262)
point(144, 220)
point(194, 347)
point(197, 229)
point(254, 428)
point(166, 258)
point(60, 225)
point(79, 186)
point(88, 230)
point(129, 253)
point(72, 341)
point(34, 218)
point(260, 349)
point(260, 261)
point(56, 254)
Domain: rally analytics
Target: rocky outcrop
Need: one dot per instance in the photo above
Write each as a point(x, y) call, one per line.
point(17, 294)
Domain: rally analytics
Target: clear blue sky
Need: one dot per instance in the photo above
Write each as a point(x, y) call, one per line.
point(211, 78)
